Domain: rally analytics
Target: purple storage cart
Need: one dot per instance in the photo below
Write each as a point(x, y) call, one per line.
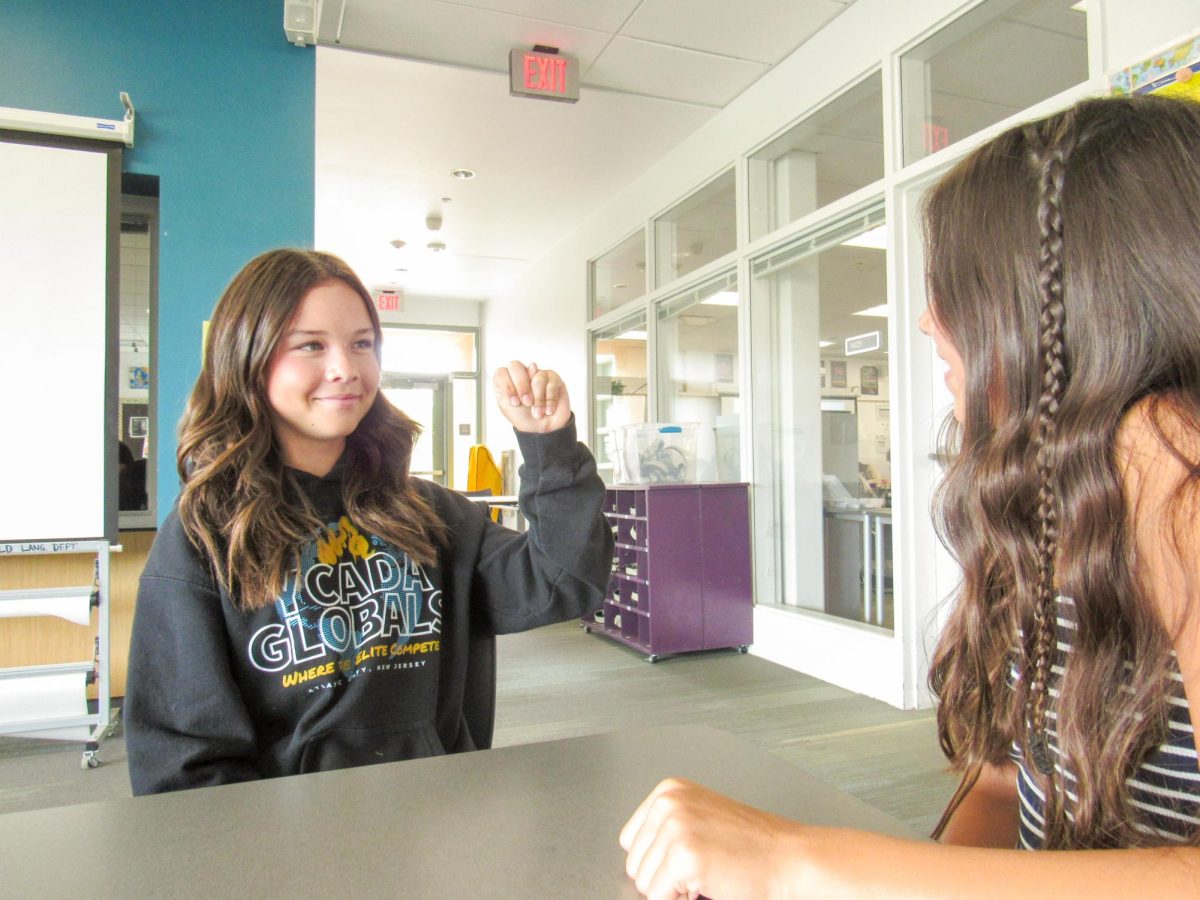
point(681, 568)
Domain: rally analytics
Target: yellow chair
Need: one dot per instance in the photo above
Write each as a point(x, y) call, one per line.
point(484, 475)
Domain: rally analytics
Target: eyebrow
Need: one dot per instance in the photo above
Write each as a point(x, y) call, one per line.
point(295, 332)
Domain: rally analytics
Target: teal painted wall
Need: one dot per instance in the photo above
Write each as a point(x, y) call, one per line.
point(225, 118)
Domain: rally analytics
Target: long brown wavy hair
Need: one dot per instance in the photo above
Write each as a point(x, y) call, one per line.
point(1059, 264)
point(239, 505)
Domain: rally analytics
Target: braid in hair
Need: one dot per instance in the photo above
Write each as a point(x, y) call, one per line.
point(1052, 162)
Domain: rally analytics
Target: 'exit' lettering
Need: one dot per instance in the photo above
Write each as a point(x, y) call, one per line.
point(545, 73)
point(935, 137)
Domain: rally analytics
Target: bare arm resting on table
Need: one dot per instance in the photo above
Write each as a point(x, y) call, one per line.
point(987, 816)
point(685, 840)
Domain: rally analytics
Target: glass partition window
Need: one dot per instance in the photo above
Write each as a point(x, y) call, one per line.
point(619, 275)
point(619, 384)
point(1000, 58)
point(696, 231)
point(822, 413)
point(697, 355)
point(831, 153)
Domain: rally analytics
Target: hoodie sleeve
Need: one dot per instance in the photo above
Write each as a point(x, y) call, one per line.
point(558, 569)
point(185, 723)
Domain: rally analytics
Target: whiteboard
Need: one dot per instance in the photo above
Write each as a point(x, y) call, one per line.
point(58, 370)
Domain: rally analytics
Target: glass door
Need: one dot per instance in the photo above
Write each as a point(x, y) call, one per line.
point(424, 399)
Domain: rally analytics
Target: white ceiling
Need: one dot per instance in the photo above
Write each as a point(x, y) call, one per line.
point(426, 91)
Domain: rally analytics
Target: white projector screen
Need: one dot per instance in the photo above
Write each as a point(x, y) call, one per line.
point(58, 251)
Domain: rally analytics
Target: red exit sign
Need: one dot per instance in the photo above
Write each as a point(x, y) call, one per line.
point(934, 137)
point(543, 72)
point(389, 301)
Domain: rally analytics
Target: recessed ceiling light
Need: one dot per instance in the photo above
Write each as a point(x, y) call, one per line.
point(880, 311)
point(397, 243)
point(722, 298)
point(464, 174)
point(436, 246)
point(634, 334)
point(620, 287)
point(875, 239)
point(824, 344)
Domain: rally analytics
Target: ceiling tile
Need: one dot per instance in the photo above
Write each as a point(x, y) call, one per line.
point(455, 34)
point(608, 16)
point(640, 67)
point(385, 147)
point(761, 30)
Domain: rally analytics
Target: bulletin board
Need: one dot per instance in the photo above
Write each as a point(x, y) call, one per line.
point(1172, 72)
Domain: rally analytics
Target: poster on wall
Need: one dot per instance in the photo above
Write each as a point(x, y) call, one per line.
point(723, 367)
point(868, 381)
point(1173, 72)
point(139, 378)
point(837, 373)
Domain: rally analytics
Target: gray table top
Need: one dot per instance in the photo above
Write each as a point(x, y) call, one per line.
point(539, 820)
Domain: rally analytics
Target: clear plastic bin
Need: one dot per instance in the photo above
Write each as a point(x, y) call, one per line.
point(659, 453)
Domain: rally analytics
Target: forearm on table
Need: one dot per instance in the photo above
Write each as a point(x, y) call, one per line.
point(831, 862)
point(988, 815)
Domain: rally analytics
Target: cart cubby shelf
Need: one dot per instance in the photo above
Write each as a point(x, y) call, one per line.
point(97, 726)
point(681, 577)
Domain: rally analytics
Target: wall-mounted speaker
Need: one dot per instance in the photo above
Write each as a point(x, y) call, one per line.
point(300, 20)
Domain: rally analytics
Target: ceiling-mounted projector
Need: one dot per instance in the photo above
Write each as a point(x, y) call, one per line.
point(301, 19)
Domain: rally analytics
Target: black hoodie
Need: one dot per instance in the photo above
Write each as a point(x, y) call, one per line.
point(366, 657)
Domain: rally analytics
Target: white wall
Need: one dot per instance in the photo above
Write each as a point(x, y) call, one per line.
point(418, 310)
point(541, 318)
point(1137, 28)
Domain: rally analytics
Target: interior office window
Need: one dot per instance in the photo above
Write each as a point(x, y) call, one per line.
point(696, 231)
point(137, 478)
point(620, 386)
point(999, 58)
point(831, 153)
point(618, 276)
point(698, 364)
point(432, 375)
point(822, 413)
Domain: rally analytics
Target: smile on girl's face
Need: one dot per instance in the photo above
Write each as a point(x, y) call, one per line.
point(955, 375)
point(323, 377)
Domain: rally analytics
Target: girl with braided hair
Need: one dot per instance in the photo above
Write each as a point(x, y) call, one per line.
point(1066, 306)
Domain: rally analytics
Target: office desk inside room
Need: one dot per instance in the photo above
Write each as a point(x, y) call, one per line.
point(539, 820)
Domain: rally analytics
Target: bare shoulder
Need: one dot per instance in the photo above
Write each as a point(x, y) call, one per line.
point(1157, 446)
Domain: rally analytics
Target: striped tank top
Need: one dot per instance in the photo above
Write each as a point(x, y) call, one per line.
point(1165, 788)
